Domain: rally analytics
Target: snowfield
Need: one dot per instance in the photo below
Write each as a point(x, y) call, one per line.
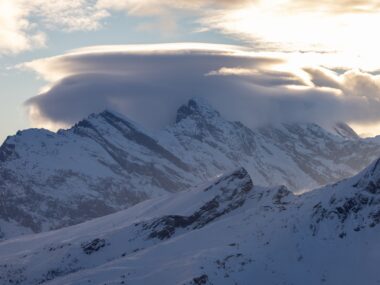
point(230, 231)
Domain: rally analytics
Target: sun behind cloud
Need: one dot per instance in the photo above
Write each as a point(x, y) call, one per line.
point(345, 29)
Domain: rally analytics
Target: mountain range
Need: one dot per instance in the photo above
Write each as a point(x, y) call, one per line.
point(107, 163)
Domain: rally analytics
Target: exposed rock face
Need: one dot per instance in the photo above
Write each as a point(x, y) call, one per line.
point(106, 163)
point(230, 192)
point(355, 206)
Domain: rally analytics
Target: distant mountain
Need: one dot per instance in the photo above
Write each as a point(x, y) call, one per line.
point(300, 156)
point(230, 231)
point(107, 163)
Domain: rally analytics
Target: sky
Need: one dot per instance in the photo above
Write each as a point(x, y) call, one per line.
point(258, 61)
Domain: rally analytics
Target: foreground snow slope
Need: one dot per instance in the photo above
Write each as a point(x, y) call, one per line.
point(107, 163)
point(228, 232)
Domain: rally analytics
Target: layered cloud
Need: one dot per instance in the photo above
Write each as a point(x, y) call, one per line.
point(149, 82)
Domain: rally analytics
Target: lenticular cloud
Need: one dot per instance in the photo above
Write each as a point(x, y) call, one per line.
point(149, 82)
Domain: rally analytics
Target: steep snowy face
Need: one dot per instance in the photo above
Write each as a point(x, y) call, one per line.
point(352, 205)
point(227, 232)
point(103, 164)
point(106, 127)
point(369, 179)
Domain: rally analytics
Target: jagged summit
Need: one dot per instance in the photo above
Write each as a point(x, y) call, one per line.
point(196, 108)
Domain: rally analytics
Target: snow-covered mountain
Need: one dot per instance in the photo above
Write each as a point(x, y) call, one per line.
point(107, 163)
point(300, 156)
point(228, 232)
point(101, 165)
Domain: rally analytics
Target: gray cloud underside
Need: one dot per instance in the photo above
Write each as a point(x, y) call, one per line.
point(149, 87)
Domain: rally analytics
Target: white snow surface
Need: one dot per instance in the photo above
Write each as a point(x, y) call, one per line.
point(228, 232)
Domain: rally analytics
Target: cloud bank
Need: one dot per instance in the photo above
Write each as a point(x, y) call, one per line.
point(149, 82)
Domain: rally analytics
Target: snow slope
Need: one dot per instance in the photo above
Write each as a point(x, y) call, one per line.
point(228, 232)
point(107, 163)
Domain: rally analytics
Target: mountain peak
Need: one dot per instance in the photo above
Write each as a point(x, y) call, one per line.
point(196, 107)
point(239, 178)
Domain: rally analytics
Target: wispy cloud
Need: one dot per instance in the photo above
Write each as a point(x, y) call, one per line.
point(165, 15)
point(16, 32)
point(23, 23)
point(156, 7)
point(346, 27)
point(149, 82)
point(336, 7)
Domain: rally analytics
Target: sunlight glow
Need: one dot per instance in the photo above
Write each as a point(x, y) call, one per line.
point(350, 37)
point(366, 130)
